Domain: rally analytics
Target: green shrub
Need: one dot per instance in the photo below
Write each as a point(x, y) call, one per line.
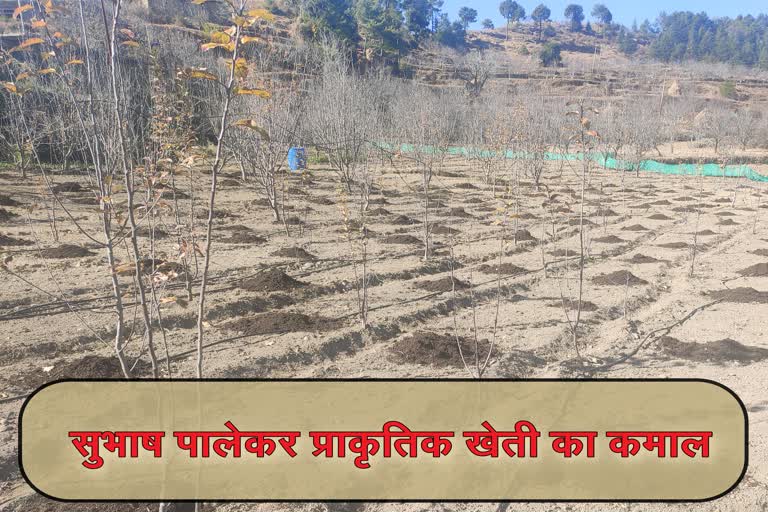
point(728, 90)
point(316, 157)
point(550, 55)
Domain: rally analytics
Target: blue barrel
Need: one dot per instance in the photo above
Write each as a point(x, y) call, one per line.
point(297, 159)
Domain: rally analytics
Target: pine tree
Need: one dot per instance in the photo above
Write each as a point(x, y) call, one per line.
point(541, 14)
point(575, 14)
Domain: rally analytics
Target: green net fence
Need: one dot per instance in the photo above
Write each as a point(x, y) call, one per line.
point(603, 159)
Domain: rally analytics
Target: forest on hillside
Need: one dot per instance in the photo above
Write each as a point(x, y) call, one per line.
point(394, 28)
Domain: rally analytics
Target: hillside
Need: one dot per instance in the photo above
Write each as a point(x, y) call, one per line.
point(592, 66)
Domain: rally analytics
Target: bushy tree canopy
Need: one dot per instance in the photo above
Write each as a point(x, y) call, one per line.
point(685, 35)
point(385, 28)
point(601, 13)
point(512, 11)
point(550, 55)
point(575, 14)
point(541, 14)
point(467, 15)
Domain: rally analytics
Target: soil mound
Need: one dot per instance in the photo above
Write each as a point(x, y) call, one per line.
point(507, 269)
point(202, 213)
point(9, 241)
point(610, 239)
point(66, 251)
point(291, 221)
point(608, 213)
point(523, 235)
point(635, 227)
point(674, 245)
point(757, 270)
point(760, 252)
point(8, 201)
point(458, 211)
point(88, 367)
point(706, 232)
point(441, 350)
point(262, 201)
point(322, 201)
point(249, 306)
point(146, 232)
point(297, 191)
point(377, 212)
point(642, 258)
point(67, 186)
point(294, 252)
point(6, 215)
point(170, 192)
point(661, 202)
point(401, 239)
point(576, 221)
point(728, 222)
point(618, 278)
point(439, 229)
point(741, 295)
point(659, 216)
point(272, 280)
point(574, 304)
point(402, 220)
point(721, 351)
point(444, 284)
point(243, 235)
point(277, 322)
point(725, 214)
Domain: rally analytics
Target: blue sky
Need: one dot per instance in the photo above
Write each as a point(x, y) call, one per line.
point(623, 11)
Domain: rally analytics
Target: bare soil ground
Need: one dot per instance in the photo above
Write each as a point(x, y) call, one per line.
point(284, 304)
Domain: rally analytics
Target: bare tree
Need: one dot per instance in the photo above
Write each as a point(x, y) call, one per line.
point(233, 84)
point(538, 129)
point(584, 137)
point(675, 117)
point(430, 122)
point(615, 131)
point(746, 124)
point(474, 69)
point(340, 115)
point(715, 123)
point(262, 154)
point(642, 131)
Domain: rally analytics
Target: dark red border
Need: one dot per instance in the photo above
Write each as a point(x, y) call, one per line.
point(711, 498)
